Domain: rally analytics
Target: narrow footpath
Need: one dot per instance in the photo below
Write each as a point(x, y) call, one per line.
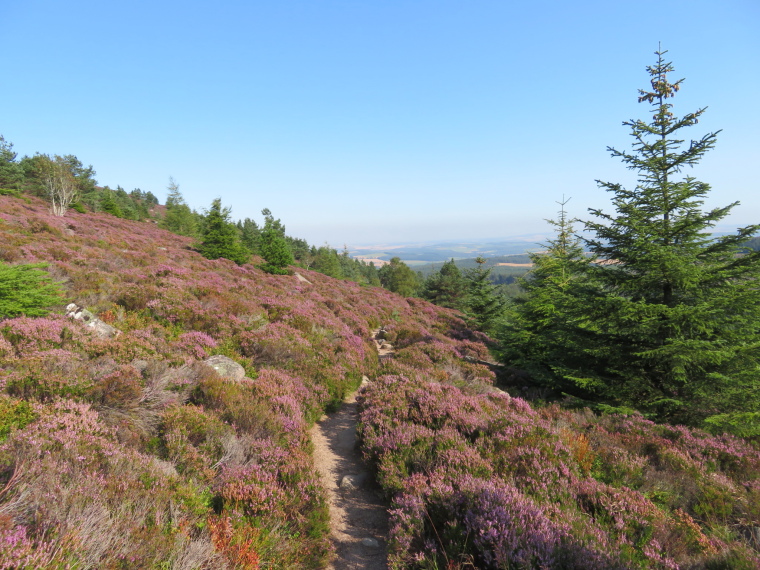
point(358, 514)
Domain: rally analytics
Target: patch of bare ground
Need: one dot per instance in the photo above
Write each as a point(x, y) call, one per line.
point(358, 514)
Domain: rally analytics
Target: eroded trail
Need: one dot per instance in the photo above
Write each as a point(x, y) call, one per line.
point(359, 518)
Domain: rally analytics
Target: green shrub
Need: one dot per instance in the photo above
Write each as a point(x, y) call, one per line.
point(27, 290)
point(14, 414)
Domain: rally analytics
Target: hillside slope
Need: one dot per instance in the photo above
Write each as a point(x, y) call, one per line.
point(183, 442)
point(130, 452)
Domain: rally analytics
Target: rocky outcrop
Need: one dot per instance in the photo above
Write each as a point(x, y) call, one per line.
point(226, 367)
point(101, 328)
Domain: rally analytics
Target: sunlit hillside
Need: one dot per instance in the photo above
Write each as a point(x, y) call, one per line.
point(177, 436)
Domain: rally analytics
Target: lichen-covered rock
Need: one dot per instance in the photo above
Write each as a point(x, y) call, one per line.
point(226, 367)
point(101, 328)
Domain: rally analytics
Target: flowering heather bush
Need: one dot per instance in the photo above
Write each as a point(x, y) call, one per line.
point(196, 344)
point(131, 453)
point(482, 479)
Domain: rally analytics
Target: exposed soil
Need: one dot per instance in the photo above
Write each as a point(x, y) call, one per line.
point(359, 517)
point(358, 513)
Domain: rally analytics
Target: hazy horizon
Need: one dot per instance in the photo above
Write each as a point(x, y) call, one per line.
point(363, 122)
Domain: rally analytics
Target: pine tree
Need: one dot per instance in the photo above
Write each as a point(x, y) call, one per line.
point(678, 316)
point(275, 251)
point(547, 326)
point(179, 218)
point(447, 287)
point(219, 236)
point(485, 307)
point(11, 173)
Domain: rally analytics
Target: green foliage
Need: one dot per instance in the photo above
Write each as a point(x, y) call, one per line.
point(219, 236)
point(668, 319)
point(27, 290)
point(11, 173)
point(396, 276)
point(546, 325)
point(327, 261)
point(447, 287)
point(14, 414)
point(275, 251)
point(250, 235)
point(274, 247)
point(485, 306)
point(179, 218)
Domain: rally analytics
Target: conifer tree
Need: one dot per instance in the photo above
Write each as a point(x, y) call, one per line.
point(274, 247)
point(678, 316)
point(484, 306)
point(179, 218)
point(219, 236)
point(11, 173)
point(397, 276)
point(447, 287)
point(547, 326)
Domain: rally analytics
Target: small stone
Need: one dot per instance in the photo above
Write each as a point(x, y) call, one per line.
point(370, 543)
point(353, 481)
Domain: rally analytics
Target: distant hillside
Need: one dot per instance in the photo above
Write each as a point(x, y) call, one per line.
point(504, 268)
point(417, 255)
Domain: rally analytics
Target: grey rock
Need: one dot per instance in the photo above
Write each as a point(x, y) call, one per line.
point(103, 330)
point(226, 367)
point(370, 543)
point(353, 481)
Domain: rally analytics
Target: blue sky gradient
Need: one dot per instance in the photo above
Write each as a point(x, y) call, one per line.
point(360, 121)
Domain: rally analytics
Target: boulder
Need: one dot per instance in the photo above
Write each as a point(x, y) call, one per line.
point(103, 330)
point(226, 367)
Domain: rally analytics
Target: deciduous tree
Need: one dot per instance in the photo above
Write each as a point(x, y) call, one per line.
point(396, 276)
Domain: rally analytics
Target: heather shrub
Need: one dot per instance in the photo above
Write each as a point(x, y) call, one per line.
point(47, 375)
point(121, 388)
point(194, 440)
point(14, 414)
point(480, 478)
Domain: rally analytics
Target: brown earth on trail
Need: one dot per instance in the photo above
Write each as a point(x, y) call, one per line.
point(358, 513)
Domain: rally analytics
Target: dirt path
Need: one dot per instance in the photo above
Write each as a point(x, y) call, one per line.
point(359, 517)
point(358, 514)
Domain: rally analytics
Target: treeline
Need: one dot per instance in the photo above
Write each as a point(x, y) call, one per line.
point(53, 177)
point(66, 183)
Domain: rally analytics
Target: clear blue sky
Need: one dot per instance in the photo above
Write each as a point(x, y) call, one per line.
point(359, 121)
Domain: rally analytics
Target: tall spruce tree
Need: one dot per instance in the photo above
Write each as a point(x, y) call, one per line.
point(678, 315)
point(548, 325)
